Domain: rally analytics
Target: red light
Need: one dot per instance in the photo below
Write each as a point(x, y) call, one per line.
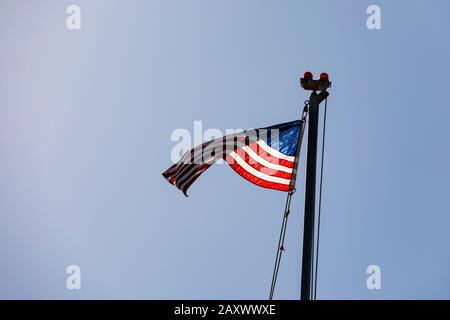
point(324, 76)
point(308, 75)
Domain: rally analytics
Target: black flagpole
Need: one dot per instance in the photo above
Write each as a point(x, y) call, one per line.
point(310, 188)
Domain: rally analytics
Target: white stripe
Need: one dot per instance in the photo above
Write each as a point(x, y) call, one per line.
point(274, 152)
point(264, 162)
point(257, 173)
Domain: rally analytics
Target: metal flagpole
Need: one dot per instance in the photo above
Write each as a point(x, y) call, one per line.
point(315, 99)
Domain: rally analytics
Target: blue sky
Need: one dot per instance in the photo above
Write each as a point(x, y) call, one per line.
point(85, 123)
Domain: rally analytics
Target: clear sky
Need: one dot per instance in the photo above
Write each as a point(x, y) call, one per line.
point(86, 118)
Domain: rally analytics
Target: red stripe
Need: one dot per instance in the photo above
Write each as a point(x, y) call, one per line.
point(255, 180)
point(261, 168)
point(263, 154)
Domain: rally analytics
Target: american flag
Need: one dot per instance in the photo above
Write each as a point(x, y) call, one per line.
point(267, 157)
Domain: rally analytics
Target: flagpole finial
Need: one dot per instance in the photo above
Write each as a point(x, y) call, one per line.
point(307, 82)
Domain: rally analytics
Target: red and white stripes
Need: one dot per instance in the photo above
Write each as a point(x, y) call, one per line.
point(255, 161)
point(263, 165)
